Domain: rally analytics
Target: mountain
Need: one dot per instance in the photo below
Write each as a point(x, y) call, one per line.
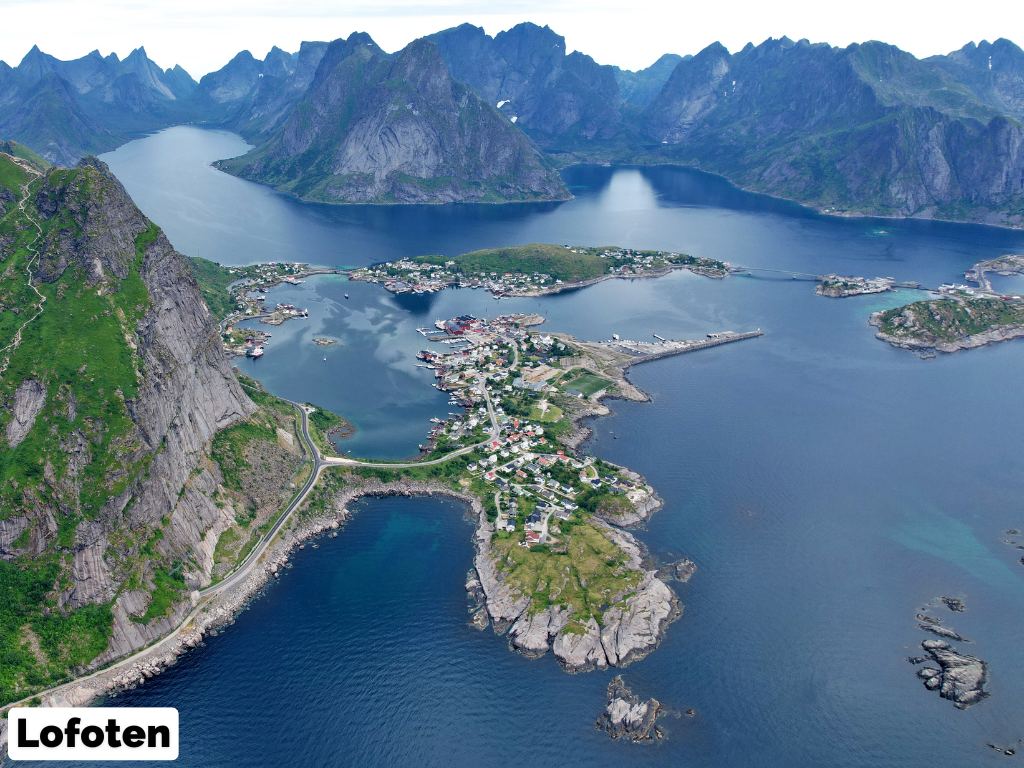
point(93, 76)
point(109, 508)
point(559, 99)
point(993, 71)
point(401, 129)
point(639, 88)
point(48, 117)
point(66, 109)
point(273, 96)
point(867, 128)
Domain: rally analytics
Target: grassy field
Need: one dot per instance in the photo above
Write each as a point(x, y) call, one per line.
point(588, 384)
point(24, 153)
point(582, 570)
point(555, 260)
point(552, 414)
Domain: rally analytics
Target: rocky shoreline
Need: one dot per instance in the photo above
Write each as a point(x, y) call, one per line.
point(628, 633)
point(996, 335)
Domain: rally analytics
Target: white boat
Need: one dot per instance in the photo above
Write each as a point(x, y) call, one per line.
point(256, 351)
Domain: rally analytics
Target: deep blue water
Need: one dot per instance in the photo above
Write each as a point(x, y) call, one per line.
point(827, 485)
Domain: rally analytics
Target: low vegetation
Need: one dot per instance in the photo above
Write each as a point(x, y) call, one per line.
point(948, 320)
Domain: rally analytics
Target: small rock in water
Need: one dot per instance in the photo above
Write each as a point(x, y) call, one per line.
point(960, 678)
point(626, 715)
point(943, 632)
point(681, 570)
point(954, 603)
point(1012, 532)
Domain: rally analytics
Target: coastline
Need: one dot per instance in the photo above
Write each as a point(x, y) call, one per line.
point(629, 631)
point(973, 341)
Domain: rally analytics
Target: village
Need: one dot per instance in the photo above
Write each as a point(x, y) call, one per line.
point(428, 274)
point(249, 294)
point(528, 378)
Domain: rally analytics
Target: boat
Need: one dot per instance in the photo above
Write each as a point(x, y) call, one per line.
point(256, 351)
point(346, 295)
point(325, 359)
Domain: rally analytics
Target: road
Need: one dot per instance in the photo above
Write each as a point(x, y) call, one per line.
point(320, 463)
point(244, 569)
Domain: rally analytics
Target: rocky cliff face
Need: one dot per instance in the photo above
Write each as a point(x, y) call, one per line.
point(372, 129)
point(555, 96)
point(110, 400)
point(286, 78)
point(864, 128)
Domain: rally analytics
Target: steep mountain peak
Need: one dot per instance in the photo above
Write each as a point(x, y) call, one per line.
point(339, 50)
point(375, 129)
point(553, 96)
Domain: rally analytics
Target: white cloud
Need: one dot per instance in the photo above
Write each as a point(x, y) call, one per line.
point(202, 35)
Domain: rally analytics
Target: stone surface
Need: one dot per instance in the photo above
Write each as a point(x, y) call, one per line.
point(29, 399)
point(959, 677)
point(626, 716)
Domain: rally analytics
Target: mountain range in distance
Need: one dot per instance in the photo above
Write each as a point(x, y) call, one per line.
point(461, 116)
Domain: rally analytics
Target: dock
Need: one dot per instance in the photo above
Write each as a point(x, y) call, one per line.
point(642, 352)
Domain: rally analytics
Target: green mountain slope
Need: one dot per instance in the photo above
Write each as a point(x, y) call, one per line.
point(113, 384)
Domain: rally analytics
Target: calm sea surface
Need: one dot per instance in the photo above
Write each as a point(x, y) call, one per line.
point(827, 485)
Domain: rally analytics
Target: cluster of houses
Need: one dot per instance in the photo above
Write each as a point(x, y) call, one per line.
point(519, 462)
point(405, 276)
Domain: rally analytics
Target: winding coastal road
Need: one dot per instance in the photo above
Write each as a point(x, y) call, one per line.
point(244, 569)
point(320, 463)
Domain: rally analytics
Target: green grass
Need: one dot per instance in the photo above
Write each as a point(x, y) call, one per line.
point(555, 260)
point(552, 414)
point(168, 588)
point(213, 282)
point(583, 571)
point(67, 639)
point(12, 175)
point(24, 153)
point(77, 346)
point(945, 320)
point(229, 445)
point(588, 384)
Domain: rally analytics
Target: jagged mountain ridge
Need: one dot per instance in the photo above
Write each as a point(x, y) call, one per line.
point(401, 129)
point(557, 97)
point(867, 128)
point(66, 109)
point(110, 402)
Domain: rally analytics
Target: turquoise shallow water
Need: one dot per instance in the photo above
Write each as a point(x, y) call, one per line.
point(827, 485)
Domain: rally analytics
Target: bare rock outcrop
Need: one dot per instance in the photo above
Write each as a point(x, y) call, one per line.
point(626, 716)
point(29, 399)
point(959, 677)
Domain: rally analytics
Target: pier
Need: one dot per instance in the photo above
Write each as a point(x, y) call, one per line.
point(642, 352)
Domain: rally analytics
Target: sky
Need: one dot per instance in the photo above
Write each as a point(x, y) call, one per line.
point(203, 35)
